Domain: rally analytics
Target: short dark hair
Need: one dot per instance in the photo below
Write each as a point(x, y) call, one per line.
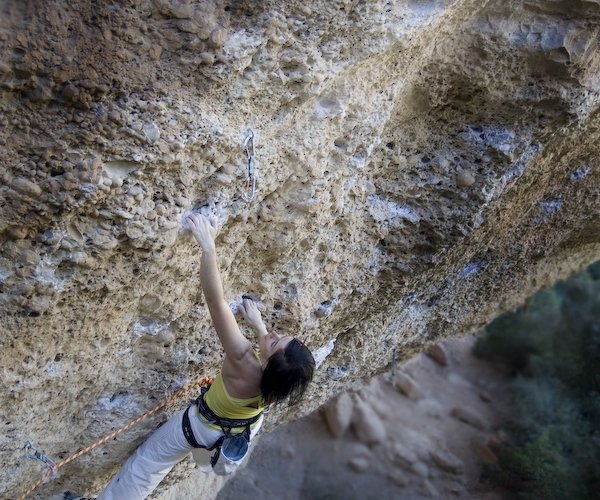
point(287, 373)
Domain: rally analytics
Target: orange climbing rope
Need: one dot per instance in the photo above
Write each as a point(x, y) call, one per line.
point(176, 395)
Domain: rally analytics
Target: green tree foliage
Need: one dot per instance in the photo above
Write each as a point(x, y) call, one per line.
point(552, 346)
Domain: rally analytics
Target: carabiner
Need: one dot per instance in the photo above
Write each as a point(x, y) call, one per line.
point(250, 184)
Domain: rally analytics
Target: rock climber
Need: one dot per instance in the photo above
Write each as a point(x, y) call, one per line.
point(232, 407)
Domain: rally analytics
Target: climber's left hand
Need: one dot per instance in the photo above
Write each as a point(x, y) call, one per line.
point(204, 230)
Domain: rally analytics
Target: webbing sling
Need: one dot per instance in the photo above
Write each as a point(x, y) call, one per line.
point(187, 430)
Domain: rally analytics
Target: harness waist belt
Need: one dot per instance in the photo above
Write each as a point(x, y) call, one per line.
point(230, 423)
point(226, 424)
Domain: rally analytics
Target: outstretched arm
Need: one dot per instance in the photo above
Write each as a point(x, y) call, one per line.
point(236, 346)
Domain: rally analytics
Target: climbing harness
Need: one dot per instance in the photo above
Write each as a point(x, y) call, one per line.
point(53, 469)
point(230, 449)
point(250, 184)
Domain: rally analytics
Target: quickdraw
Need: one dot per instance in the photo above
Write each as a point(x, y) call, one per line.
point(250, 184)
point(33, 454)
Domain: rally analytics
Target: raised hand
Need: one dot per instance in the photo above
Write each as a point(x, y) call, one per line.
point(204, 230)
point(252, 315)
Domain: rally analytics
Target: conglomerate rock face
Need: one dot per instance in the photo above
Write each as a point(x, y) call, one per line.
point(421, 166)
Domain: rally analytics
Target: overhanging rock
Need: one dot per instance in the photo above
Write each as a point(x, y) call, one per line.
point(421, 167)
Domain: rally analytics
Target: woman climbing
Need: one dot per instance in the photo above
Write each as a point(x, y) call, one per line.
point(229, 414)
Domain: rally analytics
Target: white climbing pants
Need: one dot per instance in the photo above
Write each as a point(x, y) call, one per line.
point(152, 461)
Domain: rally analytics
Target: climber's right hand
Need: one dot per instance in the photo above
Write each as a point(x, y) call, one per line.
point(251, 314)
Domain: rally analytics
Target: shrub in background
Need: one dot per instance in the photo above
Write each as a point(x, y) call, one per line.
point(552, 346)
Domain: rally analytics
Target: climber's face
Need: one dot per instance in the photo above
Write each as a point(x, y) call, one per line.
point(273, 342)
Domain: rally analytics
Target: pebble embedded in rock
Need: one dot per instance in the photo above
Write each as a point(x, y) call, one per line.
point(207, 58)
point(16, 232)
point(188, 26)
point(465, 179)
point(151, 131)
point(134, 232)
point(114, 116)
point(50, 237)
point(182, 201)
point(70, 91)
point(25, 186)
point(218, 37)
point(39, 303)
point(150, 303)
point(27, 257)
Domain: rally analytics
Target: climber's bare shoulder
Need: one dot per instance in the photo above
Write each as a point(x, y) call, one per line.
point(242, 377)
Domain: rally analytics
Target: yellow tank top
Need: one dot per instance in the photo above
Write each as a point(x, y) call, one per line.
point(220, 402)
